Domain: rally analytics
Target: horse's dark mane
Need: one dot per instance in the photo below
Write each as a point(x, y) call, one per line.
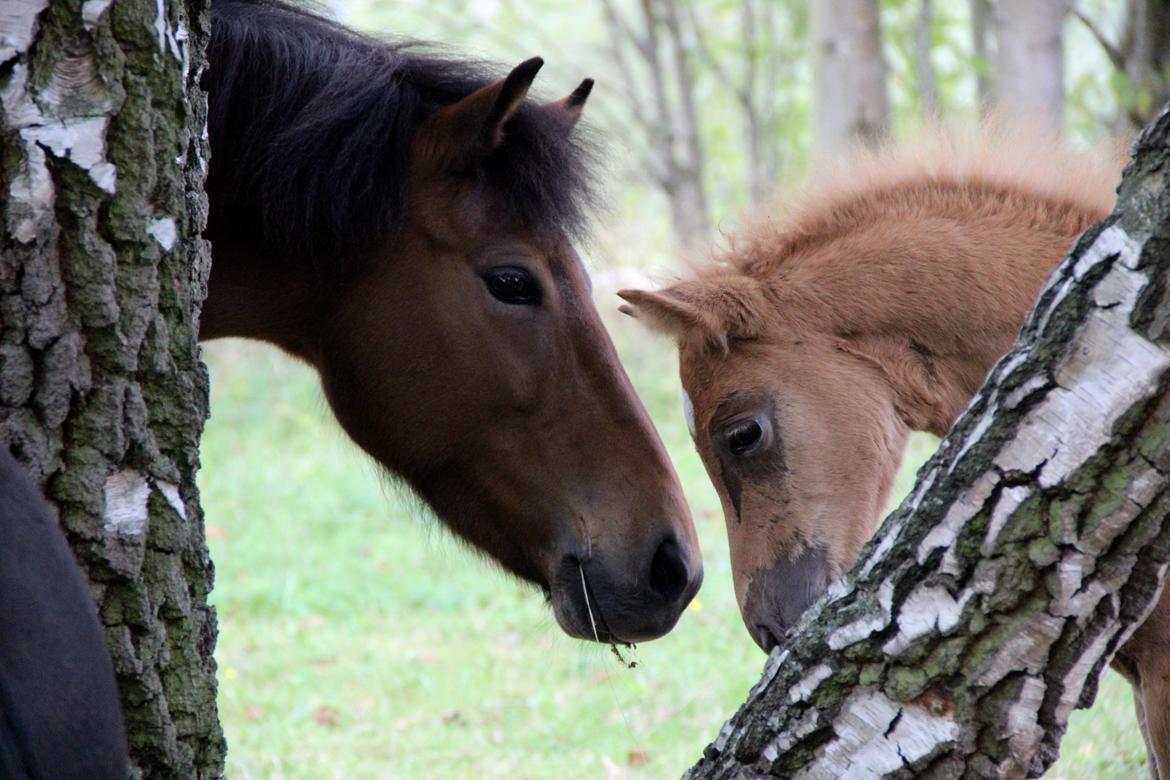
point(311, 124)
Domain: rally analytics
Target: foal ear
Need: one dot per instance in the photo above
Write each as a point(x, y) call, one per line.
point(572, 105)
point(671, 312)
point(475, 124)
point(715, 309)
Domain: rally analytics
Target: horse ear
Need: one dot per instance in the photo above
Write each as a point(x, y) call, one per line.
point(475, 124)
point(671, 311)
point(572, 105)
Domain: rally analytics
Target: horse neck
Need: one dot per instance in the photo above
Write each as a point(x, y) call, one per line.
point(252, 294)
point(943, 289)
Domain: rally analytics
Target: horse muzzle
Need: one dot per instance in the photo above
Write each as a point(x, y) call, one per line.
point(618, 599)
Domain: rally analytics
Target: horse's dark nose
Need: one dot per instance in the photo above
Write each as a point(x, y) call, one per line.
point(669, 573)
point(618, 596)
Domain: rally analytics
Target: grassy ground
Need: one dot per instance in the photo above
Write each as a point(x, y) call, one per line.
point(357, 640)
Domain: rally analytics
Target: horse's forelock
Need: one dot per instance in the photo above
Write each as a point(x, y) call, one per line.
point(311, 127)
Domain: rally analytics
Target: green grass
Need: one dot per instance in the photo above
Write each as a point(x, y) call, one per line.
point(358, 640)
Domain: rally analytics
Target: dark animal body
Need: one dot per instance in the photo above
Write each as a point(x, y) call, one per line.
point(404, 223)
point(59, 712)
point(871, 304)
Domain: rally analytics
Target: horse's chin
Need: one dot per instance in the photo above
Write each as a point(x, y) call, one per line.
point(574, 616)
point(592, 615)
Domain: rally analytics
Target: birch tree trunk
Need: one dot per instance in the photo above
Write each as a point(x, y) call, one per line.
point(1029, 59)
point(928, 97)
point(980, 28)
point(102, 394)
point(849, 74)
point(1034, 544)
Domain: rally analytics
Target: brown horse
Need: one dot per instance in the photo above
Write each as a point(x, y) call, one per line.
point(875, 305)
point(403, 223)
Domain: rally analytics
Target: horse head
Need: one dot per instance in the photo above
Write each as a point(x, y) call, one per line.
point(458, 342)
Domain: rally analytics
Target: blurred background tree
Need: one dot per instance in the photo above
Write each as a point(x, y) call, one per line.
point(707, 106)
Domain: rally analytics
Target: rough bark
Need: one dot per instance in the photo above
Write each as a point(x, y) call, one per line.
point(1035, 542)
point(1029, 60)
point(102, 394)
point(653, 52)
point(850, 101)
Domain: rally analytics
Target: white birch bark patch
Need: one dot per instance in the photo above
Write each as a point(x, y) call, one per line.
point(126, 495)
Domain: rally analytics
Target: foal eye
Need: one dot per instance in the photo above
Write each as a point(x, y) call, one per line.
point(512, 284)
point(744, 436)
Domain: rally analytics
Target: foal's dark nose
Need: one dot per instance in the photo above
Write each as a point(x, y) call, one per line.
point(669, 573)
point(780, 592)
point(766, 637)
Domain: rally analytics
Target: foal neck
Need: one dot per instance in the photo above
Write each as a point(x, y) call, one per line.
point(934, 288)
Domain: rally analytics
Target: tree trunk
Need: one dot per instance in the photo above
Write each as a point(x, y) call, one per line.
point(669, 124)
point(753, 84)
point(1146, 43)
point(928, 97)
point(102, 394)
point(849, 74)
point(980, 24)
point(1029, 60)
point(1035, 542)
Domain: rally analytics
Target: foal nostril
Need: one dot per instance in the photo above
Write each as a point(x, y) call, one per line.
point(766, 638)
point(668, 571)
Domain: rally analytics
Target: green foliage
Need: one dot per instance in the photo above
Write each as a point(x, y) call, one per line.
point(574, 42)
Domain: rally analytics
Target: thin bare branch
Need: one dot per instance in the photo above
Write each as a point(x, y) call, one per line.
point(1115, 54)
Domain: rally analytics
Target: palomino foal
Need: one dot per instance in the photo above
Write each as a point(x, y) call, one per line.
point(403, 223)
point(875, 304)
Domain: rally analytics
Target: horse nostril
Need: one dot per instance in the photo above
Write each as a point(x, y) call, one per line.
point(766, 639)
point(668, 571)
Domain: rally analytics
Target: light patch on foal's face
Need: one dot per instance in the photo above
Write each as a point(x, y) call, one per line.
point(688, 412)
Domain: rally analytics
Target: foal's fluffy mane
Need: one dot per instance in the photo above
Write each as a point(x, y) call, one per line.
point(940, 173)
point(311, 127)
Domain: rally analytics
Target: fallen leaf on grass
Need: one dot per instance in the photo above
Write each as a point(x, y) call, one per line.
point(325, 660)
point(327, 716)
point(637, 758)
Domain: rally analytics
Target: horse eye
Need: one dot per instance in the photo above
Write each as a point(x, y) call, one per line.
point(744, 436)
point(514, 285)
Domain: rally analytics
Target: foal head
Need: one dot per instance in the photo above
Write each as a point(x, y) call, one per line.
point(876, 306)
point(800, 438)
point(405, 225)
